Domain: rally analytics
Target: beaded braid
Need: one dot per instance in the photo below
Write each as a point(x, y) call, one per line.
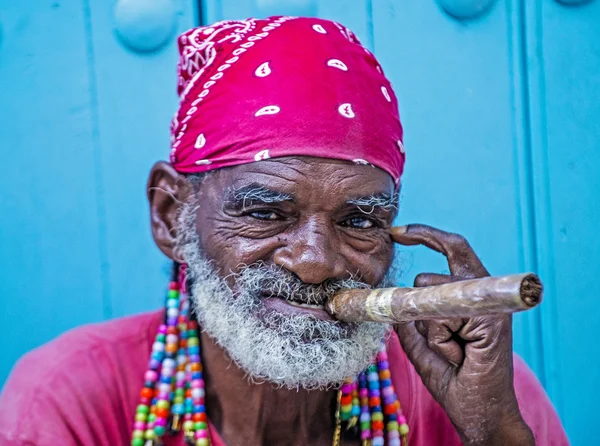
point(173, 394)
point(374, 386)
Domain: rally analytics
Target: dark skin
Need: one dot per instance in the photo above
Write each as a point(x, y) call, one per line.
point(317, 235)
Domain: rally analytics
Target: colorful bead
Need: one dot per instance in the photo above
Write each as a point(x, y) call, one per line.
point(202, 433)
point(151, 376)
point(393, 434)
point(403, 429)
point(146, 393)
point(138, 433)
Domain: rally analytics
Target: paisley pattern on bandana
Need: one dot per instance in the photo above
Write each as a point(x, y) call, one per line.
point(283, 86)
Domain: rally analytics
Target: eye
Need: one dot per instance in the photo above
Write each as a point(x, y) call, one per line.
point(359, 223)
point(265, 215)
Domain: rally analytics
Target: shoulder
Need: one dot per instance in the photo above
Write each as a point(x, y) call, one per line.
point(88, 345)
point(536, 407)
point(80, 373)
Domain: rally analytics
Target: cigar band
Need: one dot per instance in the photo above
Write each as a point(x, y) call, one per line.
point(379, 305)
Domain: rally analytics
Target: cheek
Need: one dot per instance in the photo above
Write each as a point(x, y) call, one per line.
point(370, 257)
point(231, 252)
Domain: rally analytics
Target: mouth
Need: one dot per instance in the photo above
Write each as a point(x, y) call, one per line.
point(291, 307)
point(301, 305)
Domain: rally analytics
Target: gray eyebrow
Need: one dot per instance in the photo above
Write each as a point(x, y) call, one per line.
point(369, 203)
point(256, 193)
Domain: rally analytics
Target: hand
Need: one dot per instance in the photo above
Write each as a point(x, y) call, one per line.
point(466, 364)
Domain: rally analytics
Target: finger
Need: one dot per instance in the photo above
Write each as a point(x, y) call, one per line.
point(431, 367)
point(462, 260)
point(488, 345)
point(422, 327)
point(432, 279)
point(439, 333)
point(442, 338)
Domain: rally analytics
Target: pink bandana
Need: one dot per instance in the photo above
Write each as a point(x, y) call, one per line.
point(282, 86)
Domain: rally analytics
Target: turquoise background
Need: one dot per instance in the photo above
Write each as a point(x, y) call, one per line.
point(505, 104)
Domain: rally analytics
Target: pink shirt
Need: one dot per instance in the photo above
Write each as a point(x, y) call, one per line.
point(83, 389)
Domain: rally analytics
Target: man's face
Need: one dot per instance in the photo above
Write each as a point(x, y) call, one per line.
point(303, 214)
point(267, 243)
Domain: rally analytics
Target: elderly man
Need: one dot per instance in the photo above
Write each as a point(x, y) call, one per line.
point(281, 189)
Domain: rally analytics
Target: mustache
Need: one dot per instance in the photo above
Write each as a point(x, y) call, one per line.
point(264, 280)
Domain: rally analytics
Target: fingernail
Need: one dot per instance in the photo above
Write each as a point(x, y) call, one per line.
point(399, 230)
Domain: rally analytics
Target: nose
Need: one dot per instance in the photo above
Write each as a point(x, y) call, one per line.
point(312, 253)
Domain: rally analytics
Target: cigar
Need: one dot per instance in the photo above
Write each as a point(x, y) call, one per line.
point(464, 299)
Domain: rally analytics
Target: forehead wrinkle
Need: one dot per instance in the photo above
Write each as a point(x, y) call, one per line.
point(284, 171)
point(354, 181)
point(350, 176)
point(291, 177)
point(297, 170)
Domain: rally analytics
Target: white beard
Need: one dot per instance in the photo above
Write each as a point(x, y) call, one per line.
point(293, 351)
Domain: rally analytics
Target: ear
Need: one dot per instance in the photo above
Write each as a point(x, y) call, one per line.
point(166, 190)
